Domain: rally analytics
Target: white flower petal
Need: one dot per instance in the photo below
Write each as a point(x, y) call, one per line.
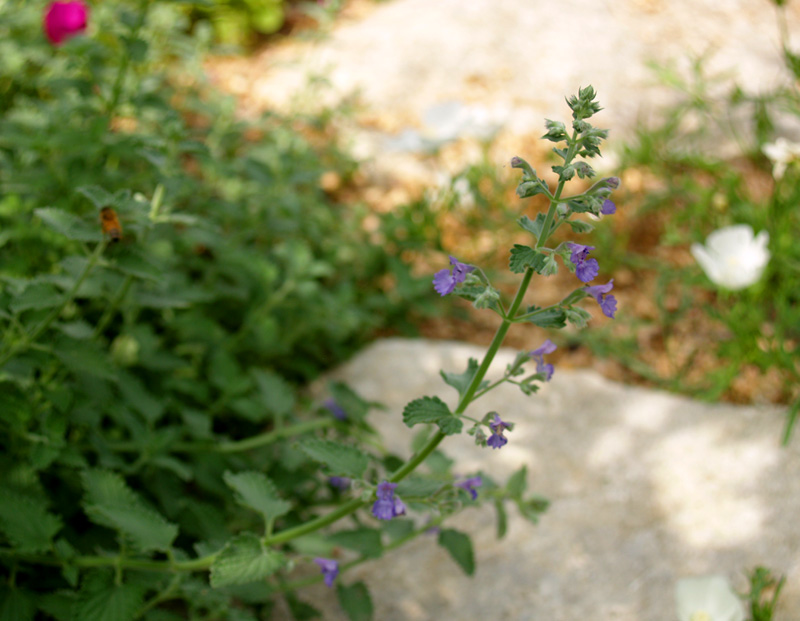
point(711, 595)
point(732, 258)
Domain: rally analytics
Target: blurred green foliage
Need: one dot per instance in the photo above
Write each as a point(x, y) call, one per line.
point(135, 374)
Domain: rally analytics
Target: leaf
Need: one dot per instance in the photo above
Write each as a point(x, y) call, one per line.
point(517, 483)
point(26, 522)
point(533, 226)
point(354, 406)
point(459, 545)
point(139, 398)
point(523, 257)
point(577, 316)
point(277, 394)
point(365, 541)
point(355, 601)
point(554, 317)
point(255, 490)
point(108, 501)
point(99, 196)
point(16, 604)
point(244, 559)
point(340, 460)
point(69, 225)
point(502, 518)
point(102, 600)
point(84, 357)
point(579, 226)
point(143, 527)
point(461, 381)
point(432, 410)
point(36, 295)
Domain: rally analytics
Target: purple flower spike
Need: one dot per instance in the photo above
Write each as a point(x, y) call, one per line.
point(548, 347)
point(445, 282)
point(608, 208)
point(330, 569)
point(497, 439)
point(471, 483)
point(585, 269)
point(335, 409)
point(387, 505)
point(608, 303)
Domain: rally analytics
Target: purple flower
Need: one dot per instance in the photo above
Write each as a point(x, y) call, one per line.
point(444, 281)
point(387, 505)
point(608, 208)
point(608, 303)
point(585, 269)
point(63, 20)
point(335, 409)
point(497, 439)
point(330, 569)
point(548, 347)
point(470, 485)
point(339, 482)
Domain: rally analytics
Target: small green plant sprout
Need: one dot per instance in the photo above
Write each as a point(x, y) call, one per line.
point(765, 590)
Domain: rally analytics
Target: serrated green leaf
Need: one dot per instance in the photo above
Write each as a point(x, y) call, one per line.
point(99, 196)
point(432, 410)
point(578, 226)
point(461, 381)
point(339, 459)
point(355, 601)
point(255, 490)
point(69, 225)
point(35, 296)
point(577, 316)
point(26, 522)
point(523, 257)
point(244, 559)
point(143, 527)
point(554, 317)
point(108, 501)
point(101, 599)
point(365, 541)
point(354, 406)
point(533, 226)
point(532, 508)
point(276, 393)
point(84, 357)
point(459, 545)
point(16, 604)
point(517, 483)
point(550, 266)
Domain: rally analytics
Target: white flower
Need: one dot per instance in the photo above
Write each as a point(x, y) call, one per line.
point(781, 152)
point(707, 598)
point(732, 258)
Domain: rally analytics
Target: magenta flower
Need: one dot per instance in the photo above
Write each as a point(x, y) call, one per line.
point(548, 347)
point(585, 269)
point(330, 569)
point(445, 282)
point(470, 485)
point(63, 20)
point(497, 439)
point(387, 505)
point(608, 303)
